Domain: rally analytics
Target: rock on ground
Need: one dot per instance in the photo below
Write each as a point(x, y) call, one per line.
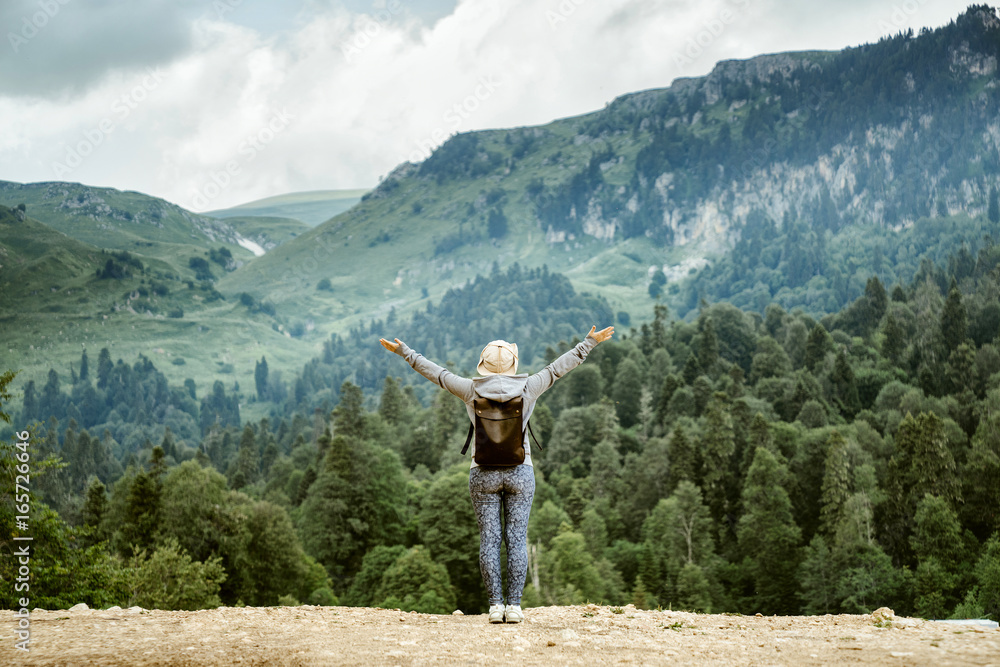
point(585, 635)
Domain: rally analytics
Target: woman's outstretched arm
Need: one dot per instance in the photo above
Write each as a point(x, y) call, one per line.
point(456, 384)
point(542, 380)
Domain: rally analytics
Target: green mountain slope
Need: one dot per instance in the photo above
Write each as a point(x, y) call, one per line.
point(312, 207)
point(59, 294)
point(132, 221)
point(875, 137)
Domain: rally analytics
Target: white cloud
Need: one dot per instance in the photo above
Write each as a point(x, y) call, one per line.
point(343, 97)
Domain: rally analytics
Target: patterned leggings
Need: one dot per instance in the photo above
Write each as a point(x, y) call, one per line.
point(512, 489)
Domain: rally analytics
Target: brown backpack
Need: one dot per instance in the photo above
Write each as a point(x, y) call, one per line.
point(499, 429)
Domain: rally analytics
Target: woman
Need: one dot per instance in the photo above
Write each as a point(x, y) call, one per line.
point(507, 489)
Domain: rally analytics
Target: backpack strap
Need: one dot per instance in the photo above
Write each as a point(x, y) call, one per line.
point(534, 437)
point(468, 438)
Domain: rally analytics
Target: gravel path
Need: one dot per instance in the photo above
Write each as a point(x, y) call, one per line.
point(589, 635)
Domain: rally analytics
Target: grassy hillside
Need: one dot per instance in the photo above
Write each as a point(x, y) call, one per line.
point(311, 208)
point(132, 221)
point(53, 303)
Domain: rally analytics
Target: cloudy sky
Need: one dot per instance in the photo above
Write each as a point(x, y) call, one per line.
point(212, 103)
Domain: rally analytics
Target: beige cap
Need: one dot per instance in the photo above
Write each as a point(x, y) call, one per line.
point(498, 358)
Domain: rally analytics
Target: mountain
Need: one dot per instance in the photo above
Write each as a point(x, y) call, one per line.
point(787, 178)
point(841, 145)
point(311, 208)
point(131, 221)
point(59, 295)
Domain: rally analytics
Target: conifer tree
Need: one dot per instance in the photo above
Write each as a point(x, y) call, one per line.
point(894, 343)
point(921, 464)
point(683, 459)
point(768, 535)
point(845, 385)
point(349, 415)
point(142, 513)
point(626, 391)
point(246, 468)
point(817, 345)
point(817, 577)
point(393, 406)
point(260, 379)
point(29, 406)
point(94, 509)
point(717, 447)
point(104, 368)
point(954, 321)
point(671, 383)
point(692, 369)
point(708, 346)
point(836, 483)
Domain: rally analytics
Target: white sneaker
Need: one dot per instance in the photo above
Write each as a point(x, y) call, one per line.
point(496, 613)
point(514, 613)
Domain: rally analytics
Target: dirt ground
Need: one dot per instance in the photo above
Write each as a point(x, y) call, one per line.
point(588, 635)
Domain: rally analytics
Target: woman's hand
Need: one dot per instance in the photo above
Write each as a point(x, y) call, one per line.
point(602, 335)
point(392, 347)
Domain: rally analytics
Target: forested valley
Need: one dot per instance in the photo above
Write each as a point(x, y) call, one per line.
point(739, 461)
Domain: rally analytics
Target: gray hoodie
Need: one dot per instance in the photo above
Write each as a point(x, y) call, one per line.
point(500, 387)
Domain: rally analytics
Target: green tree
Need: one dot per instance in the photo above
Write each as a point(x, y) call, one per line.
point(393, 406)
point(95, 508)
point(817, 577)
point(369, 578)
point(569, 573)
point(260, 379)
point(245, 470)
point(544, 523)
point(626, 391)
point(605, 471)
point(895, 342)
point(683, 459)
point(141, 517)
point(343, 517)
point(170, 579)
point(717, 448)
point(677, 534)
point(707, 345)
point(817, 345)
point(987, 575)
point(768, 535)
point(836, 482)
point(414, 582)
point(921, 464)
point(954, 320)
point(770, 360)
point(274, 563)
point(993, 207)
point(981, 472)
point(349, 415)
point(845, 386)
point(939, 546)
